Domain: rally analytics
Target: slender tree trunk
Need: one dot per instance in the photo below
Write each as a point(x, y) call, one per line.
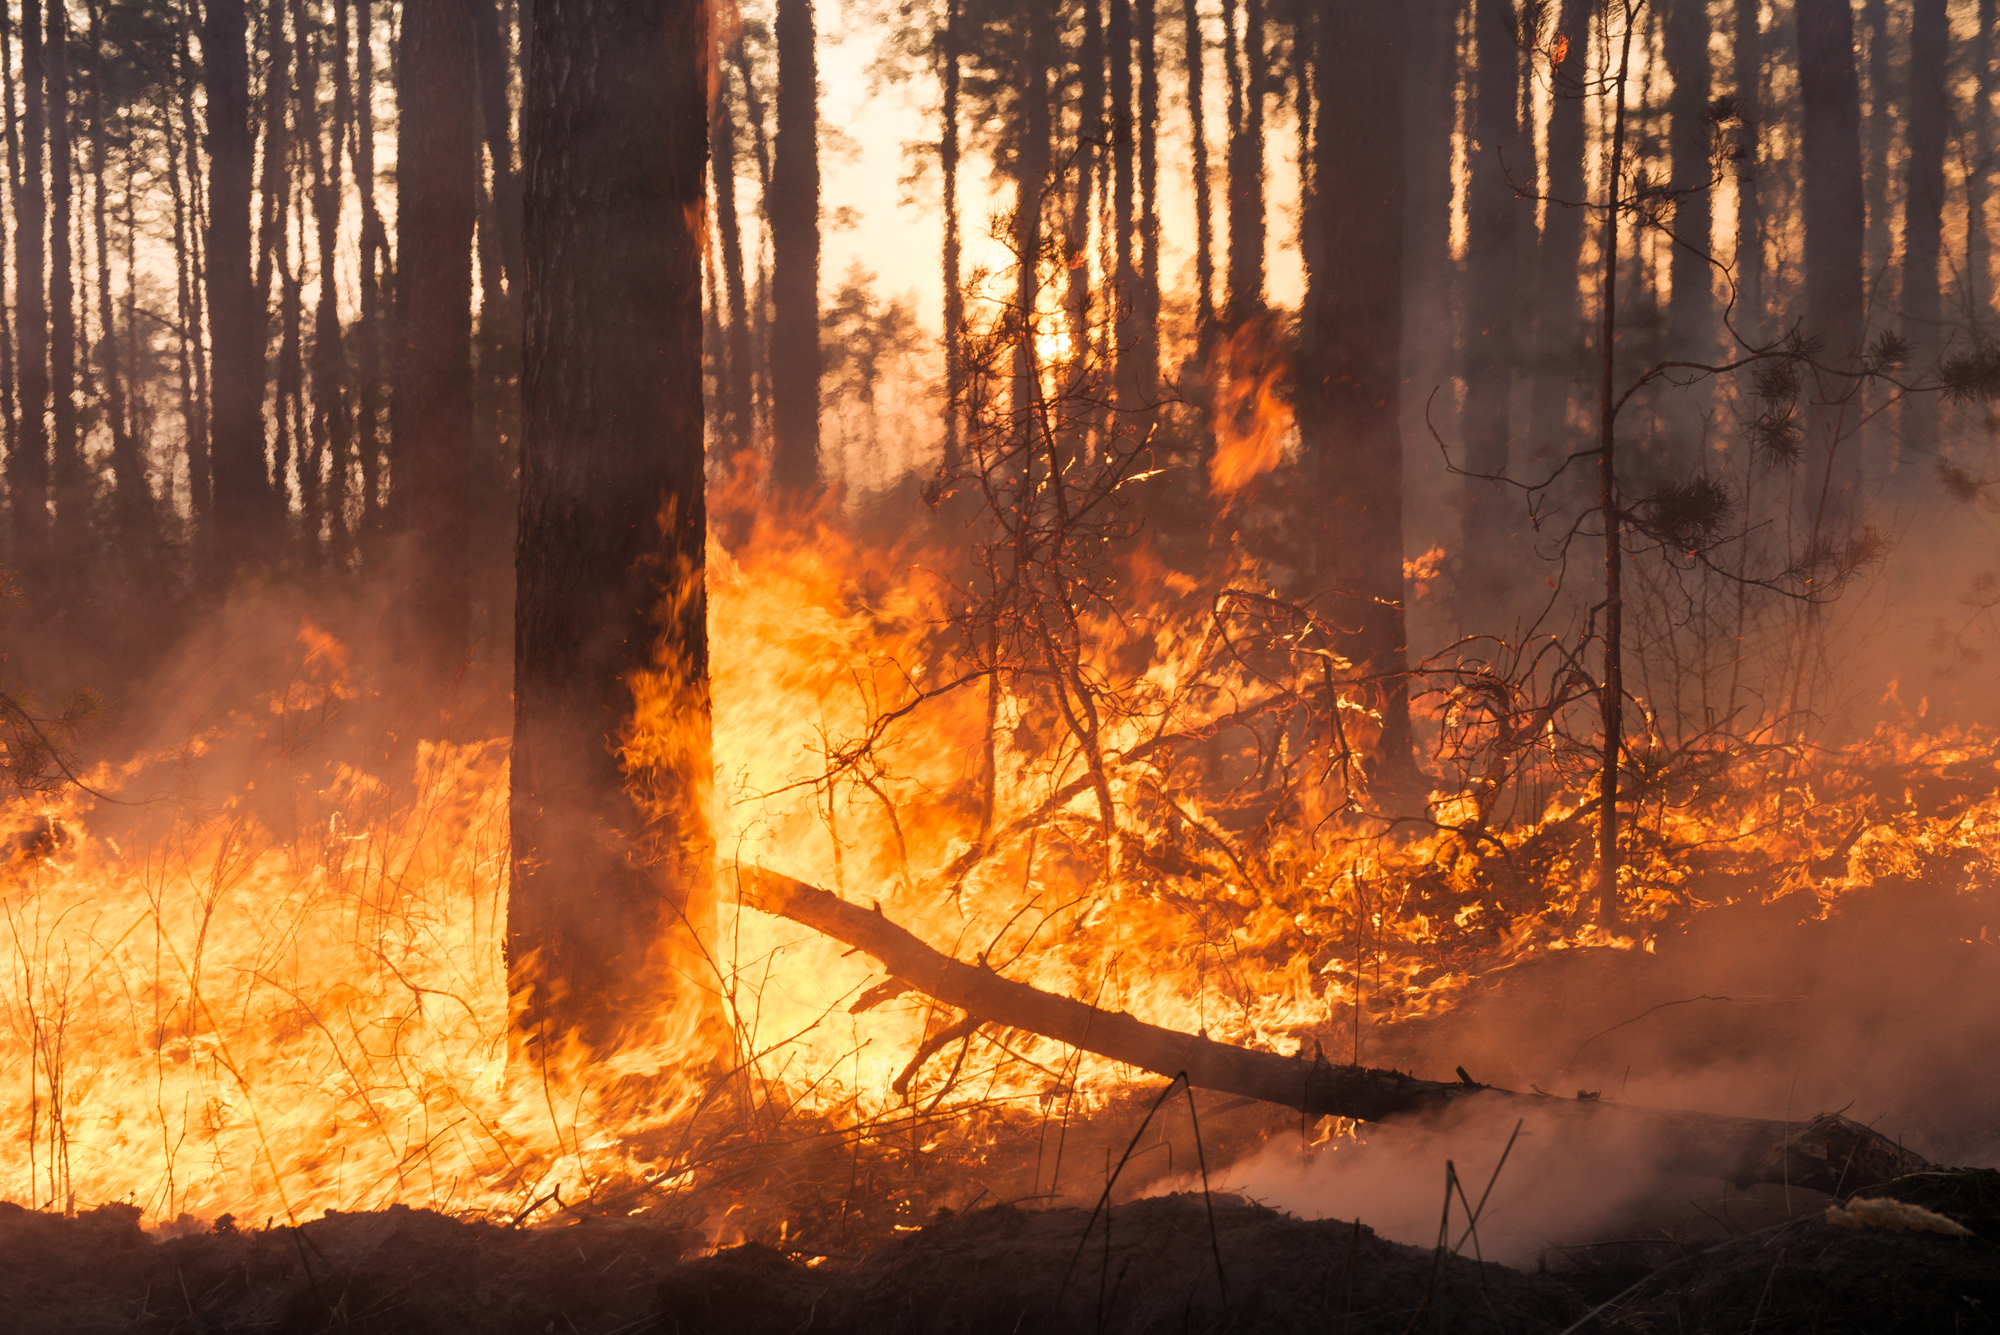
point(1246, 175)
point(954, 295)
point(28, 460)
point(134, 497)
point(496, 120)
point(1196, 55)
point(1146, 300)
point(1091, 127)
point(611, 851)
point(1875, 165)
point(1978, 181)
point(1559, 332)
point(736, 366)
point(329, 368)
point(1749, 260)
point(374, 259)
point(1305, 35)
point(274, 182)
point(1031, 173)
point(497, 377)
point(760, 305)
point(1124, 205)
point(437, 149)
point(72, 482)
point(794, 216)
point(1493, 513)
point(1430, 134)
point(1353, 439)
point(1923, 216)
point(1834, 229)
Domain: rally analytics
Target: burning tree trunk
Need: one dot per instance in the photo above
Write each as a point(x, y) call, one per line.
point(610, 841)
point(793, 210)
point(1828, 1153)
point(1351, 378)
point(436, 208)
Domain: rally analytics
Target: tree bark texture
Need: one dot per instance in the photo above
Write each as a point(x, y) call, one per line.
point(1690, 315)
point(1246, 173)
point(436, 209)
point(1830, 97)
point(1923, 217)
point(611, 854)
point(71, 538)
point(28, 464)
point(1828, 1153)
point(793, 206)
point(1748, 263)
point(1492, 512)
point(1196, 56)
point(243, 502)
point(1559, 331)
point(1353, 431)
point(735, 405)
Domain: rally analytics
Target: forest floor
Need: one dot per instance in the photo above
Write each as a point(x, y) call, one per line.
point(997, 1270)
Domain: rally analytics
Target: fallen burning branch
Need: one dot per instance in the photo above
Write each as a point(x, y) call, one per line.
point(1831, 1153)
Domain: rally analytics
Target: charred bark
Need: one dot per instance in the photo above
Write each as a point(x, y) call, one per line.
point(1828, 1153)
point(1923, 218)
point(436, 209)
point(954, 295)
point(735, 403)
point(1246, 170)
point(1690, 315)
point(1196, 56)
point(1748, 263)
point(610, 848)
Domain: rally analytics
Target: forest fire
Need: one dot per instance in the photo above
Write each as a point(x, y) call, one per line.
point(1400, 612)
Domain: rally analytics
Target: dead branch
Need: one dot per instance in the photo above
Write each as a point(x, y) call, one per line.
point(1831, 1153)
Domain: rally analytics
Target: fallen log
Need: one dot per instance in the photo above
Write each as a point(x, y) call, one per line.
point(1830, 1153)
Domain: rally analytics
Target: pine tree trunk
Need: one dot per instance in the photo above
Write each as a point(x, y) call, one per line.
point(793, 208)
point(954, 295)
point(1246, 176)
point(374, 259)
point(1430, 124)
point(1875, 164)
point(1195, 56)
point(28, 462)
point(1923, 217)
point(496, 400)
point(242, 492)
point(1124, 185)
point(437, 147)
point(1748, 264)
point(1091, 127)
point(1353, 438)
point(736, 365)
point(72, 483)
point(1690, 329)
point(10, 416)
point(1493, 513)
point(760, 304)
point(611, 859)
point(1834, 230)
point(1031, 172)
point(1978, 181)
point(1146, 300)
point(1559, 332)
point(134, 497)
point(331, 422)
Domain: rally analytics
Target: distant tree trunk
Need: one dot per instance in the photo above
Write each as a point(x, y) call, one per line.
point(496, 120)
point(496, 390)
point(1304, 38)
point(1353, 440)
point(28, 464)
point(374, 259)
point(329, 368)
point(1559, 258)
point(1125, 274)
point(1031, 172)
point(611, 852)
point(735, 404)
point(437, 152)
point(1749, 258)
point(273, 184)
point(133, 497)
point(10, 417)
point(1690, 329)
point(1146, 300)
point(1246, 176)
point(1196, 55)
point(1832, 204)
point(1430, 131)
point(72, 481)
point(1492, 512)
point(1923, 216)
point(188, 229)
point(794, 216)
point(1875, 165)
point(954, 295)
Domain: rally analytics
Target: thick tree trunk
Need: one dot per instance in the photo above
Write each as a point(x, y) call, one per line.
point(611, 852)
point(1978, 182)
point(1923, 218)
point(1830, 144)
point(1493, 512)
point(1031, 174)
point(28, 463)
point(436, 209)
point(1690, 316)
point(1828, 1153)
point(1352, 372)
point(1876, 274)
point(793, 208)
point(242, 490)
